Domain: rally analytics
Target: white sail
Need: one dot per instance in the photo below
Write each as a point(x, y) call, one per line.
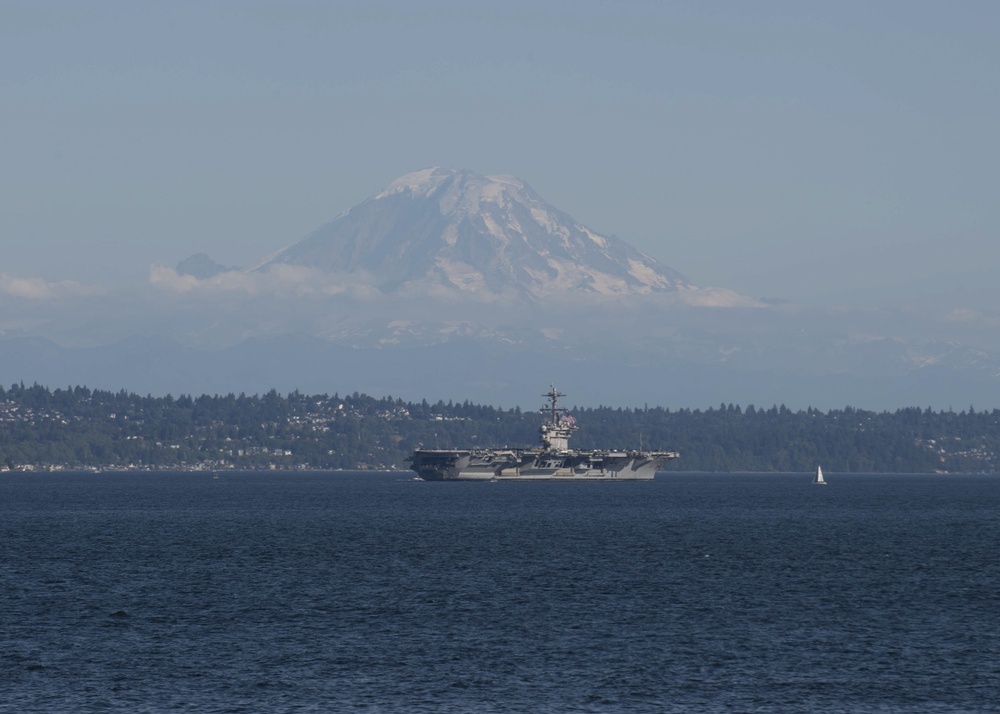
point(818, 479)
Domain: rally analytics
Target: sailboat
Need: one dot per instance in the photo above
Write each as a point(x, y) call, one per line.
point(818, 478)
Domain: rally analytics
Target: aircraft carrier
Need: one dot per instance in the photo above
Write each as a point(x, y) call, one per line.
point(554, 461)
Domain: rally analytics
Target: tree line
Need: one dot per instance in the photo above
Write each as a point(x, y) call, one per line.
point(77, 427)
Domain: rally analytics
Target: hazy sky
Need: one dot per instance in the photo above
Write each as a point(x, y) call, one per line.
point(820, 152)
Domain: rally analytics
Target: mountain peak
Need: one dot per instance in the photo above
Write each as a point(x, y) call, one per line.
point(459, 189)
point(453, 228)
point(426, 181)
point(421, 183)
point(200, 266)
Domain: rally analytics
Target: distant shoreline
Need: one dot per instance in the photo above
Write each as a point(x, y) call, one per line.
point(46, 471)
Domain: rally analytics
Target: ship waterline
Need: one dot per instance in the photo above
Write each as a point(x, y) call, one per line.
point(553, 461)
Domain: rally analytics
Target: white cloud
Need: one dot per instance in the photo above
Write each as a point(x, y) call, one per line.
point(715, 297)
point(41, 289)
point(170, 280)
point(971, 317)
point(280, 281)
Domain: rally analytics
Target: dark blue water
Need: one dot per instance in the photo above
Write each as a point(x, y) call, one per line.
point(375, 593)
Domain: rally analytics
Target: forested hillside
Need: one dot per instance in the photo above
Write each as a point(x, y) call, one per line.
point(80, 428)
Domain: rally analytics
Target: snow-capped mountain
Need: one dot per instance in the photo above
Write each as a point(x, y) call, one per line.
point(367, 303)
point(487, 235)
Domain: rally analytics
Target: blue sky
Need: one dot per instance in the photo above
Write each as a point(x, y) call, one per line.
point(822, 153)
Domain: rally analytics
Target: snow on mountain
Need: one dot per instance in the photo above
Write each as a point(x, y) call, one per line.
point(485, 235)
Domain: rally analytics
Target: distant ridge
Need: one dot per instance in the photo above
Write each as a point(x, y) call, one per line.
point(200, 266)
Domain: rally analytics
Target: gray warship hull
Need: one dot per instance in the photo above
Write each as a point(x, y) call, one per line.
point(554, 461)
point(537, 465)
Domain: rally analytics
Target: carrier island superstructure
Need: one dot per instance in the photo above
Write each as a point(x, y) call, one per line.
point(553, 461)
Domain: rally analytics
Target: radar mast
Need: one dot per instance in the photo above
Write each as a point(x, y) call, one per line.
point(559, 427)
